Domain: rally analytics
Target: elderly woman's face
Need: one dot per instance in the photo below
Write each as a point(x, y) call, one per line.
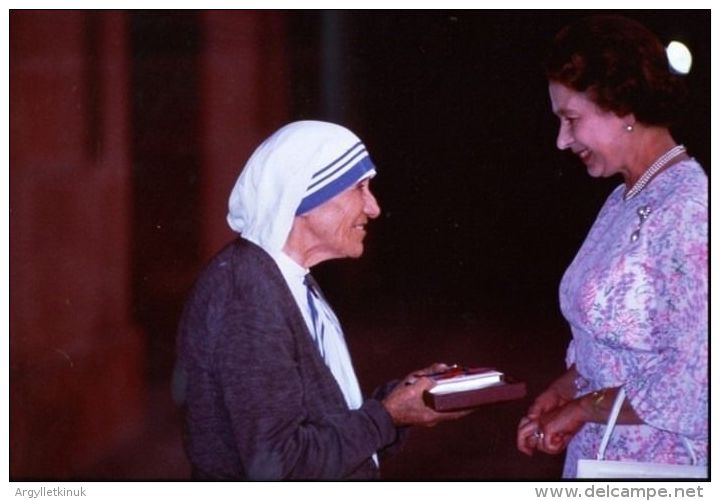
point(337, 228)
point(598, 137)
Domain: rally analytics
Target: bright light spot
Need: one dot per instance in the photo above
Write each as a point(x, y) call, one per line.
point(680, 58)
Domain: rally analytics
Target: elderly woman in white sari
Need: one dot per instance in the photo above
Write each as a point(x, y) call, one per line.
point(269, 387)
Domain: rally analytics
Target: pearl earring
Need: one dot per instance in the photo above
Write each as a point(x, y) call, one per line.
point(629, 128)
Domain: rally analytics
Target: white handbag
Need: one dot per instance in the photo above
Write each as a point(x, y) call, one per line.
point(601, 468)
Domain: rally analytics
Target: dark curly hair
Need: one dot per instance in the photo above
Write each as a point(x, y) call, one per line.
point(621, 65)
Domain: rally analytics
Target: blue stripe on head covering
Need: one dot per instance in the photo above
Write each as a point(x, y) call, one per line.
point(341, 183)
point(346, 161)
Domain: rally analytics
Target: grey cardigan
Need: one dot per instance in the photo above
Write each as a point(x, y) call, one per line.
point(259, 402)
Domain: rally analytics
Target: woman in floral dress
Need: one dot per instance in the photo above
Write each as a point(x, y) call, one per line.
point(636, 294)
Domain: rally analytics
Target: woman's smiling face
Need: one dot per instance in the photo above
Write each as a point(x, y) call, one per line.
point(337, 228)
point(600, 138)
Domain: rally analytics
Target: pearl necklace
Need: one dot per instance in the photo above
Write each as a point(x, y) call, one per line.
point(661, 162)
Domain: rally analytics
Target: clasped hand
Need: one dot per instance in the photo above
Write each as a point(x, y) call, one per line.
point(550, 424)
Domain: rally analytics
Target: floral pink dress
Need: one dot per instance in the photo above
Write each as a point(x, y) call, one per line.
point(636, 299)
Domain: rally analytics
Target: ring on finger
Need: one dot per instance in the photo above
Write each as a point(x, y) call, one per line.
point(539, 435)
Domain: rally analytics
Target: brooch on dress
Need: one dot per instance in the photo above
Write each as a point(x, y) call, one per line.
point(643, 213)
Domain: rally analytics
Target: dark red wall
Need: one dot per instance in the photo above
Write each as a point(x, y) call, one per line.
point(123, 148)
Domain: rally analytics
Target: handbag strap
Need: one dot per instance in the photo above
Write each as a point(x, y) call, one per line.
point(612, 419)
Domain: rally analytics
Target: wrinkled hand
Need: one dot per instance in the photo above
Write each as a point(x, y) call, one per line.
point(432, 369)
point(405, 403)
